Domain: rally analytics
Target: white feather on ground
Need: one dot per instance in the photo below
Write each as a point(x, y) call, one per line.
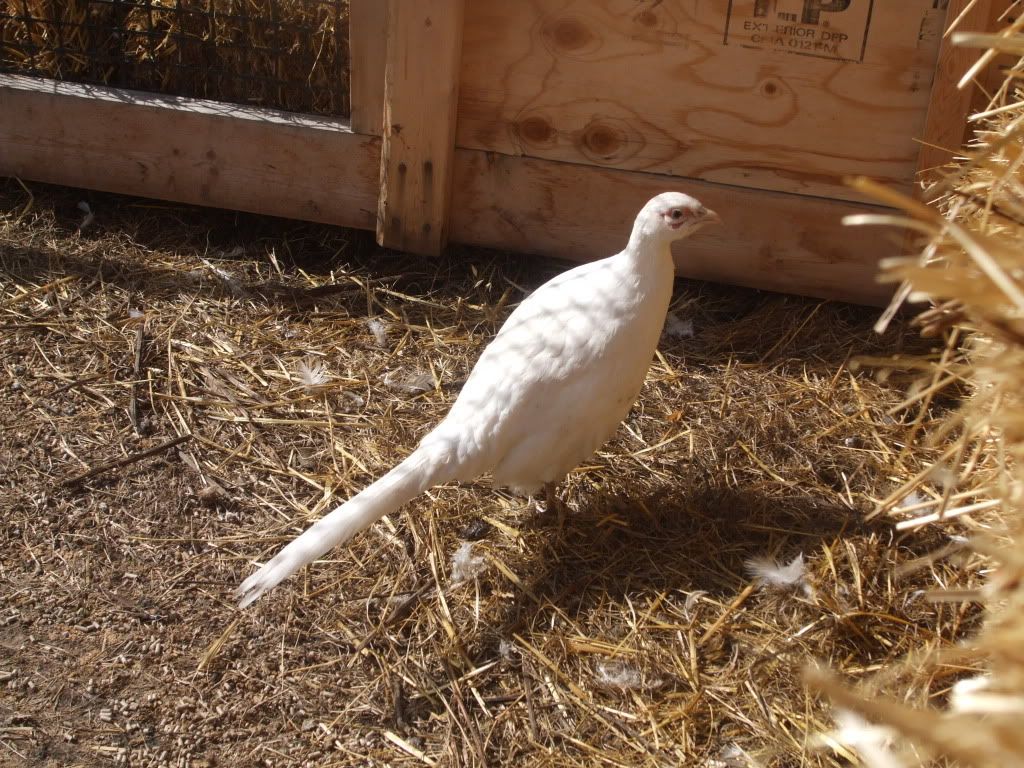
point(89, 217)
point(910, 500)
point(312, 373)
point(409, 383)
point(612, 674)
point(677, 328)
point(379, 330)
point(692, 600)
point(465, 565)
point(772, 574)
point(229, 281)
point(506, 649)
point(734, 756)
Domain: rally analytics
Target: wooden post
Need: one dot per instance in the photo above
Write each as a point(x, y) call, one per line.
point(424, 48)
point(944, 127)
point(367, 34)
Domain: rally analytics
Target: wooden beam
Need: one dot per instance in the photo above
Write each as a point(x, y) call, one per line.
point(278, 164)
point(946, 122)
point(187, 150)
point(420, 103)
point(367, 35)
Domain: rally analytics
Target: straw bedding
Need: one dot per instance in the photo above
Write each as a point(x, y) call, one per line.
point(275, 367)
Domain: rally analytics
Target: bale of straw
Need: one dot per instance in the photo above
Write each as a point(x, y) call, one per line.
point(970, 273)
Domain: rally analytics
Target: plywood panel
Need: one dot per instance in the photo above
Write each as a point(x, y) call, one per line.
point(187, 150)
point(421, 86)
point(705, 89)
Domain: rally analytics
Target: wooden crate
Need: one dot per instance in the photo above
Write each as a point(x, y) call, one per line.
point(543, 126)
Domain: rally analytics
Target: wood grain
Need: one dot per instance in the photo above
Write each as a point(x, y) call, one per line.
point(771, 240)
point(367, 32)
point(992, 78)
point(187, 150)
point(659, 86)
point(945, 127)
point(421, 86)
point(272, 163)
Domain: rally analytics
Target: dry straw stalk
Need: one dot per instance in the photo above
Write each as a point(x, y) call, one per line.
point(970, 272)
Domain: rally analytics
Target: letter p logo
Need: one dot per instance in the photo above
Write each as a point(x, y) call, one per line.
point(813, 9)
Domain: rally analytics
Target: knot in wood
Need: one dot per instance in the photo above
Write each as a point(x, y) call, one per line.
point(602, 140)
point(646, 18)
point(568, 35)
point(536, 131)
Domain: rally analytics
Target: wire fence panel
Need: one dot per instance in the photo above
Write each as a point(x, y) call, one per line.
point(286, 54)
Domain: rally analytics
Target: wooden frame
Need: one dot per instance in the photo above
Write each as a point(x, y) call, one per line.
point(345, 173)
point(368, 25)
point(948, 105)
point(421, 93)
point(219, 155)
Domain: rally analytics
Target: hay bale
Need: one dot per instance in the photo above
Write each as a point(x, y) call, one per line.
point(970, 273)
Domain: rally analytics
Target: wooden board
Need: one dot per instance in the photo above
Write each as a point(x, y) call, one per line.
point(770, 240)
point(421, 86)
point(692, 88)
point(187, 150)
point(367, 34)
point(277, 164)
point(945, 126)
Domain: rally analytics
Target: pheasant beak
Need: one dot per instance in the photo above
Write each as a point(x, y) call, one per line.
point(710, 217)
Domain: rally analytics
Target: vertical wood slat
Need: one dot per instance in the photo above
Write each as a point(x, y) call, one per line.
point(421, 85)
point(367, 34)
point(944, 129)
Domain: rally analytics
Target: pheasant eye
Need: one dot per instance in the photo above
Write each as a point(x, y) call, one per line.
point(677, 214)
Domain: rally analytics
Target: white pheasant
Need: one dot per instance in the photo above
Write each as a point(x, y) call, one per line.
point(547, 392)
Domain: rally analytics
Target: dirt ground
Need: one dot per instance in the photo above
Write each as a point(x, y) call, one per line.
point(183, 390)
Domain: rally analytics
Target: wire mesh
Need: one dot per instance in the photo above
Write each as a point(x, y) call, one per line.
point(286, 54)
